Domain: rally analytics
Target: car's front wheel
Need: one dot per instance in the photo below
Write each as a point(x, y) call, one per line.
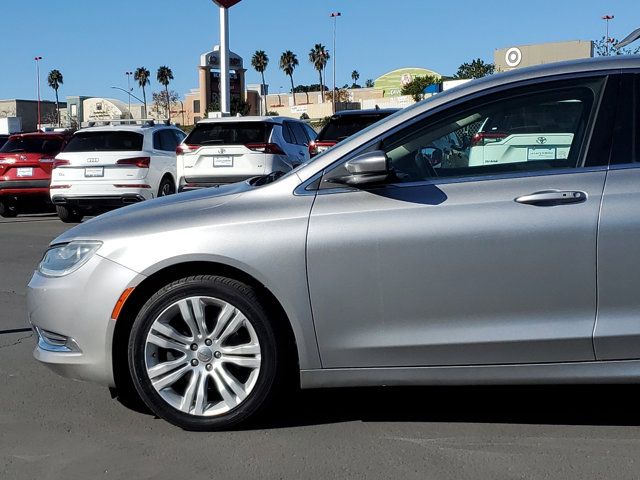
point(202, 353)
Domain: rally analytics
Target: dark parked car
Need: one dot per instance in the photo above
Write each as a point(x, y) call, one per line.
point(344, 124)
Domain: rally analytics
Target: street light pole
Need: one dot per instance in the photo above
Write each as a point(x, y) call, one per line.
point(606, 18)
point(128, 74)
point(335, 16)
point(37, 59)
point(128, 92)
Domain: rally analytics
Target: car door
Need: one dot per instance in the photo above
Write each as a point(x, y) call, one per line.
point(298, 143)
point(164, 146)
point(617, 331)
point(451, 264)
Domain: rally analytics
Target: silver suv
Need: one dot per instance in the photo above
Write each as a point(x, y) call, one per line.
point(387, 260)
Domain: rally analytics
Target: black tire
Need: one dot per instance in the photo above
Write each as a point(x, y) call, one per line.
point(69, 215)
point(8, 209)
point(243, 298)
point(167, 187)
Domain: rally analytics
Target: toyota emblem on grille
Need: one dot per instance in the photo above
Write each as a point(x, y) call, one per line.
point(541, 140)
point(222, 150)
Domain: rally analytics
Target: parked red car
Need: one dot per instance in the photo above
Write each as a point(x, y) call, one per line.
point(25, 170)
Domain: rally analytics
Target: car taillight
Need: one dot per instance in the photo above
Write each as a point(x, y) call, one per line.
point(265, 148)
point(185, 148)
point(482, 138)
point(140, 162)
point(316, 148)
point(60, 162)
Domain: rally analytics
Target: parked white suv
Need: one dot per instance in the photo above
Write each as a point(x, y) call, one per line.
point(527, 134)
point(233, 149)
point(111, 166)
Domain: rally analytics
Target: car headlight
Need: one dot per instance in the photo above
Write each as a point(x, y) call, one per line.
point(61, 260)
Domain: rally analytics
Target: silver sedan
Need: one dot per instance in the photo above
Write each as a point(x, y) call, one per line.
point(391, 259)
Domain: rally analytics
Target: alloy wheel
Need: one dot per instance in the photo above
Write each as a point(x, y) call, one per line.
point(202, 356)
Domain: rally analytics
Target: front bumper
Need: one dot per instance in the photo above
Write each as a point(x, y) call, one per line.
point(72, 317)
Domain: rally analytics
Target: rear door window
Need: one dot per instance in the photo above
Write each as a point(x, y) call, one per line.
point(287, 134)
point(230, 133)
point(311, 133)
point(165, 140)
point(298, 133)
point(105, 142)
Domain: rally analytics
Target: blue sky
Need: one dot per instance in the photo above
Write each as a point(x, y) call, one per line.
point(94, 42)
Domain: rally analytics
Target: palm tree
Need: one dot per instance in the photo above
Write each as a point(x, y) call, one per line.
point(54, 79)
point(141, 75)
point(259, 62)
point(288, 63)
point(164, 76)
point(355, 76)
point(319, 57)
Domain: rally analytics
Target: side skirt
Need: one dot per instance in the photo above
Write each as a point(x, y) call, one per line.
point(622, 371)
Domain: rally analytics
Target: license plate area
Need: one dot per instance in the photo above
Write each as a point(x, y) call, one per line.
point(541, 153)
point(25, 172)
point(226, 161)
point(92, 172)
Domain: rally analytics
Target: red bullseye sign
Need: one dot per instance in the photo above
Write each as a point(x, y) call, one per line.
point(226, 3)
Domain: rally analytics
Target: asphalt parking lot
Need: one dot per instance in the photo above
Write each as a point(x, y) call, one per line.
point(53, 428)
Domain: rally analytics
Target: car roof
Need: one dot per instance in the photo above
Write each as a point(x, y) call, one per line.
point(125, 128)
point(59, 135)
point(251, 118)
point(370, 111)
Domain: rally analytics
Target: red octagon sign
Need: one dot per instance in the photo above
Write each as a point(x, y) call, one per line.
point(226, 3)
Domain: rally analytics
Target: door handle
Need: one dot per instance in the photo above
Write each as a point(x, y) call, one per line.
point(549, 198)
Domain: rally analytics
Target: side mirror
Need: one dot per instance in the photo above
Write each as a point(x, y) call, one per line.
point(366, 169)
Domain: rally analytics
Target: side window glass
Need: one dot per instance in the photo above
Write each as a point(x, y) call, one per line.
point(167, 140)
point(157, 141)
point(298, 133)
point(286, 133)
point(311, 133)
point(179, 136)
point(533, 130)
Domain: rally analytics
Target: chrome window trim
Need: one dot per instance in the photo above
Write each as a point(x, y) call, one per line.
point(478, 178)
point(624, 166)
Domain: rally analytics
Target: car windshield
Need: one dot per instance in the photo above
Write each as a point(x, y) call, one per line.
point(343, 126)
point(105, 142)
point(32, 145)
point(229, 133)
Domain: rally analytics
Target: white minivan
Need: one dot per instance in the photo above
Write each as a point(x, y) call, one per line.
point(232, 149)
point(111, 166)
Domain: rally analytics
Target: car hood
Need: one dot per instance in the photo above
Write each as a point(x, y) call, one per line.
point(155, 215)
